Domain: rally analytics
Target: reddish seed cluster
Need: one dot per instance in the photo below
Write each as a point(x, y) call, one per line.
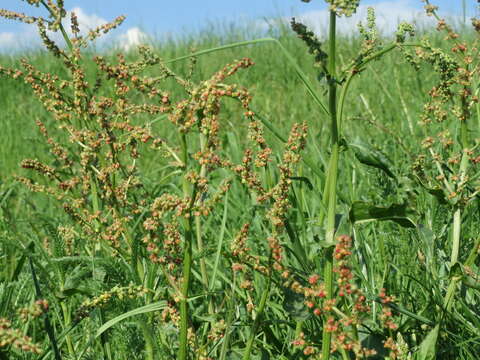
point(386, 311)
point(37, 309)
point(14, 337)
point(96, 179)
point(241, 252)
point(276, 197)
point(452, 98)
point(346, 311)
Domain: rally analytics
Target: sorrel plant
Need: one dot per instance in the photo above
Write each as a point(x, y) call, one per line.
point(187, 225)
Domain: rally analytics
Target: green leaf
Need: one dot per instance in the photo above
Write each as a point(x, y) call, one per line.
point(365, 212)
point(73, 282)
point(460, 272)
point(375, 342)
point(371, 157)
point(456, 270)
point(303, 179)
point(21, 262)
point(436, 192)
point(400, 309)
point(294, 304)
point(138, 311)
point(427, 350)
point(471, 282)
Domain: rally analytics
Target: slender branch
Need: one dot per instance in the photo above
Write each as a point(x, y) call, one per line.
point(331, 180)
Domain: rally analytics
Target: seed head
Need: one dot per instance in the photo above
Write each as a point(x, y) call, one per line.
point(344, 7)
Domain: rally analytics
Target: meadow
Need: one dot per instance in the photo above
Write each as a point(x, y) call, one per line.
point(215, 197)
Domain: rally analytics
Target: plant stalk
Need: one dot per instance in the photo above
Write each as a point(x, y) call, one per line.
point(331, 193)
point(149, 342)
point(198, 227)
point(457, 224)
point(187, 262)
point(456, 234)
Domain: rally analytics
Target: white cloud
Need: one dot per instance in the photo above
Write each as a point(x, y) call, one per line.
point(86, 22)
point(132, 38)
point(7, 39)
point(389, 14)
point(28, 38)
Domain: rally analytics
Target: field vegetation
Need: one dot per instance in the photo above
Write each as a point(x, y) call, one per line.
point(223, 198)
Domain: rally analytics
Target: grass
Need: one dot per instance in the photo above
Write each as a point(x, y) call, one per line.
point(408, 237)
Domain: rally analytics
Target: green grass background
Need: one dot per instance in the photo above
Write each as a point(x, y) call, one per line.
point(382, 110)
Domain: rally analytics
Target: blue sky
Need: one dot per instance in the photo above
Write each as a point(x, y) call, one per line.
point(160, 17)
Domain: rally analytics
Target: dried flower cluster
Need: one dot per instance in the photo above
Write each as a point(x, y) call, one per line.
point(35, 310)
point(97, 143)
point(448, 162)
point(346, 313)
point(14, 337)
point(101, 130)
point(276, 197)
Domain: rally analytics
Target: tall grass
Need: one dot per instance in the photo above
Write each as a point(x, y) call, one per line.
point(235, 232)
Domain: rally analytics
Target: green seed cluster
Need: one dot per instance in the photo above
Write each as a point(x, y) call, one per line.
point(116, 293)
point(313, 43)
point(403, 30)
point(344, 7)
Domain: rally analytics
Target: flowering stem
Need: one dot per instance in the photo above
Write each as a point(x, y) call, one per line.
point(198, 226)
point(187, 262)
point(331, 187)
point(456, 233)
point(62, 29)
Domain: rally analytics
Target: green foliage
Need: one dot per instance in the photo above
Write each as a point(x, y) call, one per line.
point(202, 225)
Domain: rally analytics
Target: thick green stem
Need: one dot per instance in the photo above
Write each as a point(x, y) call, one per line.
point(331, 187)
point(198, 227)
point(187, 262)
point(456, 234)
point(332, 196)
point(147, 336)
point(457, 223)
point(68, 322)
point(328, 279)
point(62, 29)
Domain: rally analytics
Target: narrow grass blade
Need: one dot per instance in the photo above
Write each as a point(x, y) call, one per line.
point(138, 311)
point(220, 243)
point(428, 346)
point(48, 325)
